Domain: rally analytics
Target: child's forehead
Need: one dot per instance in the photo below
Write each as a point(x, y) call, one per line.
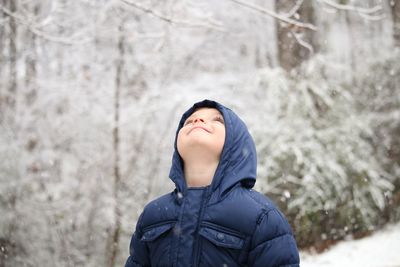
point(205, 111)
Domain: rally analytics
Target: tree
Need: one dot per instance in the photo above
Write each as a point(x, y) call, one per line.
point(31, 59)
point(295, 44)
point(8, 100)
point(116, 232)
point(395, 8)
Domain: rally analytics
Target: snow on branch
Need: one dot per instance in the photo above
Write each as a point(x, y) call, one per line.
point(295, 8)
point(303, 43)
point(32, 27)
point(360, 10)
point(283, 18)
point(171, 20)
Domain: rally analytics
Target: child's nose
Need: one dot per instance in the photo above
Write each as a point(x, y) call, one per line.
point(198, 120)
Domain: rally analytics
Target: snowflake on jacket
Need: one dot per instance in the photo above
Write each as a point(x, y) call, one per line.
point(226, 223)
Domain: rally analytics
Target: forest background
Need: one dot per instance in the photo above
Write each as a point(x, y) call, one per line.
point(91, 92)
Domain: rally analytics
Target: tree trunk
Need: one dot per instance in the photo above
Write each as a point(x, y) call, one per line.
point(9, 44)
point(295, 45)
point(3, 39)
point(12, 87)
point(115, 235)
point(30, 62)
point(2, 31)
point(395, 7)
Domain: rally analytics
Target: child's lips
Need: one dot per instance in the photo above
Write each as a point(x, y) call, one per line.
point(199, 127)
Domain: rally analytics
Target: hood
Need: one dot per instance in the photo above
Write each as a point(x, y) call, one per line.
point(238, 162)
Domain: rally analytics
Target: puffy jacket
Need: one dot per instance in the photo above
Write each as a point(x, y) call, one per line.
point(224, 224)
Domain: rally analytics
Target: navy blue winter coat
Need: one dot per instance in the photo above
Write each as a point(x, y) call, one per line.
point(224, 224)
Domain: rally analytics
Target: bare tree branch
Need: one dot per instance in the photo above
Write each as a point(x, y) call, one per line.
point(361, 10)
point(303, 43)
point(280, 17)
point(31, 26)
point(373, 17)
point(171, 20)
point(294, 9)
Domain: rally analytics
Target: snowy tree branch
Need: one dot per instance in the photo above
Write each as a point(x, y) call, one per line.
point(375, 18)
point(303, 43)
point(283, 18)
point(32, 27)
point(361, 10)
point(171, 20)
point(294, 9)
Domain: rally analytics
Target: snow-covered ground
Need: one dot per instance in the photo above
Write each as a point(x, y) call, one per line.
point(382, 249)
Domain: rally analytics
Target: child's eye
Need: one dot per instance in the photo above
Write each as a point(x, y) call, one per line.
point(219, 119)
point(187, 122)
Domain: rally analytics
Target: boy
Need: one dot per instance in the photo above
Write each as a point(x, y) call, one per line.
point(213, 217)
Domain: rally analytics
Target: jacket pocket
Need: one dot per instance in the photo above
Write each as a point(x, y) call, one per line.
point(152, 233)
point(158, 239)
point(222, 238)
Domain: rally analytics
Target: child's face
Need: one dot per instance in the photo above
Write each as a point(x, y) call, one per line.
point(204, 129)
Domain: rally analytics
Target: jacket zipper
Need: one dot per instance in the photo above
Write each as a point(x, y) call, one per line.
point(196, 244)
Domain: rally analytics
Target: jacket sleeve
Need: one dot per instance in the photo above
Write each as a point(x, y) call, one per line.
point(273, 244)
point(137, 249)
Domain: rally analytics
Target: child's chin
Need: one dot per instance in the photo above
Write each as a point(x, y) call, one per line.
point(203, 145)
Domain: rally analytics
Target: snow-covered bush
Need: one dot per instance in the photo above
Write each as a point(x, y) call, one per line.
point(317, 158)
point(378, 96)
